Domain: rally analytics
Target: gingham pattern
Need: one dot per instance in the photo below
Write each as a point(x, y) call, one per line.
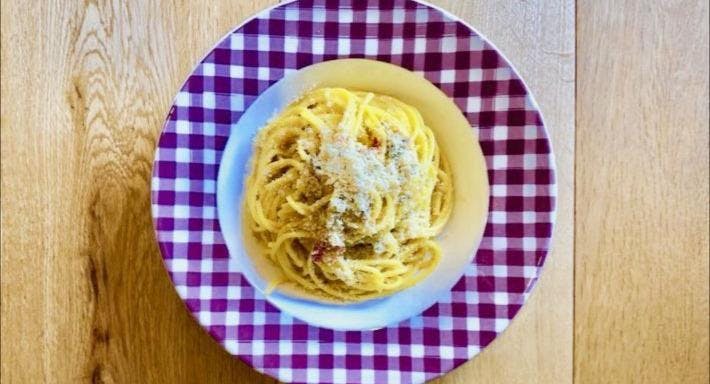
point(414, 36)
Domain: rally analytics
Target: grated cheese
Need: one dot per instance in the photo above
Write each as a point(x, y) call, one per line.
point(344, 272)
point(359, 174)
point(339, 204)
point(384, 242)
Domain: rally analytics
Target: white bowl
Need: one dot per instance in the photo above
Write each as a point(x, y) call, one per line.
point(459, 240)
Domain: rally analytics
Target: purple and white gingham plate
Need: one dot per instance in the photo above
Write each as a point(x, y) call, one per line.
point(418, 37)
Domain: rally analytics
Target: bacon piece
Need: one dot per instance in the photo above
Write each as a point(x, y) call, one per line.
point(322, 251)
point(318, 251)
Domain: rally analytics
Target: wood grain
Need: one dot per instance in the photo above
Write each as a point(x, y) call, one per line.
point(85, 87)
point(641, 299)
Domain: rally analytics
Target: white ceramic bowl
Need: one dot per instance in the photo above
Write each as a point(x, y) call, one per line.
point(459, 240)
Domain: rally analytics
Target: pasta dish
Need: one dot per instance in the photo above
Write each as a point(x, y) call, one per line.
point(347, 191)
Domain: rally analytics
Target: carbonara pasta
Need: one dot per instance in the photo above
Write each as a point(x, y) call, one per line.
point(347, 190)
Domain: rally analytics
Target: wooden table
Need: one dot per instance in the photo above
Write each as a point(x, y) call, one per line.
point(623, 298)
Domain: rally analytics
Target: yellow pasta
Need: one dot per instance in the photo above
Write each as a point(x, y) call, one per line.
point(347, 190)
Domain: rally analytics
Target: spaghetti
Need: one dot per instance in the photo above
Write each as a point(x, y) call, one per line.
point(347, 190)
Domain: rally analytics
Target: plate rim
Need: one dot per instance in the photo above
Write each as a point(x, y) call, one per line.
point(553, 193)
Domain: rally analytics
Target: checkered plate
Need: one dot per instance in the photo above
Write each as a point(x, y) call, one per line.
point(415, 36)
